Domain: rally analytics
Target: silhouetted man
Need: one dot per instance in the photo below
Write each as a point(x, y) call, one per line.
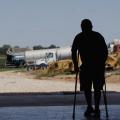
point(93, 53)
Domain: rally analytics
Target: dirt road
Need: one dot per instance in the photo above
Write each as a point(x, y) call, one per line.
point(24, 82)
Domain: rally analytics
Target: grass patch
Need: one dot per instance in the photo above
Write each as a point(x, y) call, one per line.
point(117, 73)
point(46, 73)
point(2, 60)
point(12, 69)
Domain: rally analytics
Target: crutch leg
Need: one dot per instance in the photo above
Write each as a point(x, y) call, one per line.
point(75, 97)
point(105, 102)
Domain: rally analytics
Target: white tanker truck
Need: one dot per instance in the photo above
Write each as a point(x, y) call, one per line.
point(41, 58)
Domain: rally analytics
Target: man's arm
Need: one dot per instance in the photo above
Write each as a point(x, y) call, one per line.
point(104, 50)
point(74, 54)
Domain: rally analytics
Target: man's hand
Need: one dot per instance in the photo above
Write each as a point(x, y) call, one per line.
point(76, 69)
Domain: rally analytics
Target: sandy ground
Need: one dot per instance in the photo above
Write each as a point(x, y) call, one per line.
point(19, 82)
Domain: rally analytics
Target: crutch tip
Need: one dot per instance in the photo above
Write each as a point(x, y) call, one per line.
point(107, 118)
point(73, 117)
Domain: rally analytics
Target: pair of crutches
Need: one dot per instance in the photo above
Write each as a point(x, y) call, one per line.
point(104, 95)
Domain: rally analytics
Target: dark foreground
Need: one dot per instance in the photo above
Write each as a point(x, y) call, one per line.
point(53, 113)
point(52, 106)
point(51, 99)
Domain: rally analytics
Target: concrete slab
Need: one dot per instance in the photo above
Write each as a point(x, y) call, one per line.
point(51, 99)
point(53, 113)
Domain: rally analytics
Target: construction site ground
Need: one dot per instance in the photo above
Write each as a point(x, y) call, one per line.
point(26, 82)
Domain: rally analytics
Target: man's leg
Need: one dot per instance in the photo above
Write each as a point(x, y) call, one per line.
point(97, 97)
point(88, 96)
point(86, 85)
point(88, 91)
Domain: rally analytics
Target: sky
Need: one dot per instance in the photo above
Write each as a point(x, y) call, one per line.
point(26, 23)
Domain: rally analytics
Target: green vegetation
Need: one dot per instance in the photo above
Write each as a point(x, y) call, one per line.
point(38, 47)
point(2, 60)
point(3, 49)
point(2, 69)
point(45, 73)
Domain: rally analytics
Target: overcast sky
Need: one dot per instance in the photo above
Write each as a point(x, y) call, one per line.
point(45, 22)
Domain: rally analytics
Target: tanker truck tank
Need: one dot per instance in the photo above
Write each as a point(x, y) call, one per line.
point(49, 55)
point(37, 54)
point(63, 53)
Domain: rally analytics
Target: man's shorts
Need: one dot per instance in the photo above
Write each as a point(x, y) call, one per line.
point(87, 78)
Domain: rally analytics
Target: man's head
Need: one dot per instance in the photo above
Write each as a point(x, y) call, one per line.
point(86, 25)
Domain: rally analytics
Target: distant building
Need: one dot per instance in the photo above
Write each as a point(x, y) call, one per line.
point(110, 47)
point(116, 48)
point(116, 41)
point(18, 50)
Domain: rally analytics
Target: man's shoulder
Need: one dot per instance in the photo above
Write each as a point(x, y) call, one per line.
point(96, 33)
point(79, 35)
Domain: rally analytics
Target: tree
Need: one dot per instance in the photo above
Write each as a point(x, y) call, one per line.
point(38, 47)
point(4, 48)
point(16, 46)
point(52, 46)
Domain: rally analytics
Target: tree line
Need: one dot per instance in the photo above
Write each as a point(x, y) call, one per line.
point(38, 47)
point(5, 47)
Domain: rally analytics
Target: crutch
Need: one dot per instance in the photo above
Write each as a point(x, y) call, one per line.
point(105, 102)
point(75, 96)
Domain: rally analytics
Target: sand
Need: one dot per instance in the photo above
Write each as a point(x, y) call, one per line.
point(24, 82)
